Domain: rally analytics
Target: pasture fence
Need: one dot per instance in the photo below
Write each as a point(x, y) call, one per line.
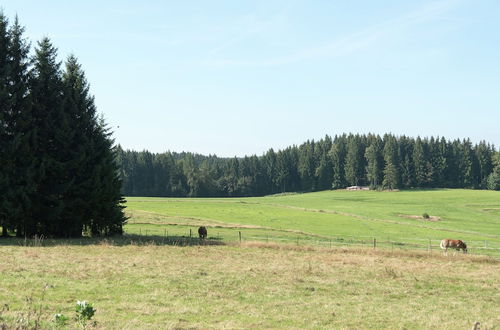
point(429, 245)
point(479, 247)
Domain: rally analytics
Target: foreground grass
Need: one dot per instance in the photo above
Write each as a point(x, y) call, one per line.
point(255, 285)
point(338, 216)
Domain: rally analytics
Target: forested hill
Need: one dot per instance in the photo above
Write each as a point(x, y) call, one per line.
point(387, 162)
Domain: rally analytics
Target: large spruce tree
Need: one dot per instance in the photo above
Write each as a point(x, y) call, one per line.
point(95, 181)
point(5, 159)
point(20, 130)
point(52, 137)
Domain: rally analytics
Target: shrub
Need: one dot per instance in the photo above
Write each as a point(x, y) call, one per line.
point(84, 312)
point(426, 216)
point(60, 320)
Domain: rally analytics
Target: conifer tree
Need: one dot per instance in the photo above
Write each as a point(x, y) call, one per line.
point(453, 175)
point(493, 180)
point(271, 168)
point(50, 129)
point(5, 157)
point(21, 131)
point(374, 158)
point(419, 163)
point(466, 165)
point(391, 172)
point(283, 172)
point(306, 166)
point(354, 161)
point(324, 170)
point(106, 202)
point(406, 165)
point(338, 153)
point(483, 154)
point(440, 162)
point(86, 153)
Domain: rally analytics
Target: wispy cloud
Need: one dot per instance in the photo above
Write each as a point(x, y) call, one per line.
point(252, 27)
point(345, 45)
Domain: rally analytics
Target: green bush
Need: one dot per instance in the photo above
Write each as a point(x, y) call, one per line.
point(60, 320)
point(84, 312)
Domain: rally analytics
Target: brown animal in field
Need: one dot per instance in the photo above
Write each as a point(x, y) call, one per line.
point(454, 244)
point(202, 231)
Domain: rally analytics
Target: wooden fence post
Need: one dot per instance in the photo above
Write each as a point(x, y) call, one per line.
point(239, 233)
point(374, 243)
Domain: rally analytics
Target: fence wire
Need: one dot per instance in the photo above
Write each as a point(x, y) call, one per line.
point(480, 247)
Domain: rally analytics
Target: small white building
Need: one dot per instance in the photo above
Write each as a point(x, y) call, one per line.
point(357, 188)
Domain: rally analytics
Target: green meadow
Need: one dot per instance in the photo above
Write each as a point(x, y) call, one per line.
point(304, 261)
point(393, 219)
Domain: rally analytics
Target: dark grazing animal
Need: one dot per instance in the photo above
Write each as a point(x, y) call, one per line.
point(202, 231)
point(454, 244)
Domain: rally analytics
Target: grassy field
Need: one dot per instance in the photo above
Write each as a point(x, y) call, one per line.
point(255, 285)
point(394, 219)
point(301, 263)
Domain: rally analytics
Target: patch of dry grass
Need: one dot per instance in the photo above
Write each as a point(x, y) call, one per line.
point(254, 285)
point(420, 217)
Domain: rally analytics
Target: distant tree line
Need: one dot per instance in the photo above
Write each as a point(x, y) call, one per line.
point(58, 174)
point(381, 162)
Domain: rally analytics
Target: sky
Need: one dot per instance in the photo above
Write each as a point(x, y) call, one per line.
point(236, 78)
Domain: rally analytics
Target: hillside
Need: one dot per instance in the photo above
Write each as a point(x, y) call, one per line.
point(339, 217)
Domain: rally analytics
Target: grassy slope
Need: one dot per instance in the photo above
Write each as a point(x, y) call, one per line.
point(253, 287)
point(266, 286)
point(473, 216)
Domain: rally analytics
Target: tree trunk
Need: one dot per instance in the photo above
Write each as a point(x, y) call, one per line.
point(4, 231)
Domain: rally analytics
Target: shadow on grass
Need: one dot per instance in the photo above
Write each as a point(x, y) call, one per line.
point(127, 239)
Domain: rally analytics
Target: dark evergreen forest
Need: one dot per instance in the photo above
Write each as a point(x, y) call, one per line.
point(387, 162)
point(58, 170)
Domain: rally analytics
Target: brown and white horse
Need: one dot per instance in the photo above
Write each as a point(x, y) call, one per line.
point(454, 244)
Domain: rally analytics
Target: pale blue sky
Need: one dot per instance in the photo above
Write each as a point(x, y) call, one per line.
point(239, 77)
